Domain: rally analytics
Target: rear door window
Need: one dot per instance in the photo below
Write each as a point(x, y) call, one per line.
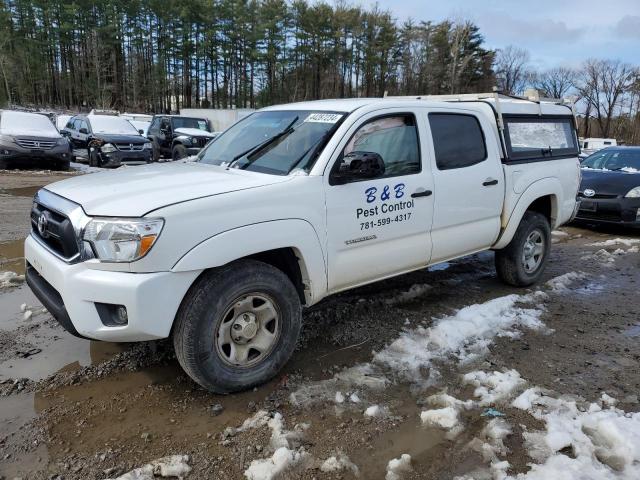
point(540, 138)
point(458, 140)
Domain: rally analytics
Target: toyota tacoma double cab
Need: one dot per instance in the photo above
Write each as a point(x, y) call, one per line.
point(294, 203)
point(178, 137)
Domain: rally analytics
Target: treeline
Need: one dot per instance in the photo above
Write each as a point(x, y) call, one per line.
point(159, 55)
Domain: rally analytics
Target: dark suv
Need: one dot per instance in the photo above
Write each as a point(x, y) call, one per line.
point(107, 141)
point(178, 137)
point(29, 138)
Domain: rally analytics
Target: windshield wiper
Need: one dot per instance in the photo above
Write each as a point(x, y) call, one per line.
point(262, 145)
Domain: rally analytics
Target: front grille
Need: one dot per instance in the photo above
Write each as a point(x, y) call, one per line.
point(59, 234)
point(35, 144)
point(129, 147)
point(201, 141)
point(597, 196)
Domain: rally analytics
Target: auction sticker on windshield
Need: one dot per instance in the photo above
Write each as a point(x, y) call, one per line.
point(323, 117)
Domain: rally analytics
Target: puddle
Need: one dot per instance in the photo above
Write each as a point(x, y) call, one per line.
point(12, 256)
point(633, 331)
point(439, 267)
point(21, 191)
point(16, 411)
point(43, 347)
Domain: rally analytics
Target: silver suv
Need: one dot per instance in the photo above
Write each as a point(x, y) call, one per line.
point(30, 139)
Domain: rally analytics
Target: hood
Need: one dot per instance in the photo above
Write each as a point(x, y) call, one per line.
point(28, 133)
point(194, 132)
point(135, 191)
point(608, 182)
point(119, 138)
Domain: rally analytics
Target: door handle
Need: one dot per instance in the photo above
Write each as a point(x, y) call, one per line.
point(490, 181)
point(424, 193)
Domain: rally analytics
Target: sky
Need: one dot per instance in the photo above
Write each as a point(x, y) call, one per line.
point(555, 32)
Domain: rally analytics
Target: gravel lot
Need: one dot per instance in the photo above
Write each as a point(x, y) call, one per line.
point(71, 408)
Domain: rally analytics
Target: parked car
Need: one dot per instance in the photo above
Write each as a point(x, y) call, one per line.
point(107, 141)
point(610, 187)
point(30, 139)
point(178, 137)
point(290, 205)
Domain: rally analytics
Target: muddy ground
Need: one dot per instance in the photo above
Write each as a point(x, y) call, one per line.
point(71, 408)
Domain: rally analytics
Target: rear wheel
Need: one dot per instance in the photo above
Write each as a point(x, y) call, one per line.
point(522, 262)
point(237, 326)
point(179, 152)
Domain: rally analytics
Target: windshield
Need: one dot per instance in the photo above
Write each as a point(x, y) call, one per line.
point(26, 121)
point(111, 125)
point(614, 160)
point(182, 122)
point(274, 142)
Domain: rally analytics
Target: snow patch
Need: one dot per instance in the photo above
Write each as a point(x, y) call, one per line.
point(174, 466)
point(446, 418)
point(376, 411)
point(338, 463)
point(82, 168)
point(627, 242)
point(561, 284)
point(10, 279)
point(465, 335)
point(398, 466)
point(282, 460)
point(493, 387)
point(287, 453)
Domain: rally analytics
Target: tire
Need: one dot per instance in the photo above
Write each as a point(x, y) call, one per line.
point(64, 165)
point(206, 324)
point(155, 150)
point(519, 268)
point(94, 161)
point(179, 152)
point(4, 164)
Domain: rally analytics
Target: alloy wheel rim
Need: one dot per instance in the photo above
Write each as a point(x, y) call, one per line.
point(533, 251)
point(249, 330)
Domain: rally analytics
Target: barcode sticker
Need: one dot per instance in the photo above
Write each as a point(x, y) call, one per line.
point(323, 117)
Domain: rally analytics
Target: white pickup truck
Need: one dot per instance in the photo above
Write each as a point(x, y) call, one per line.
point(294, 203)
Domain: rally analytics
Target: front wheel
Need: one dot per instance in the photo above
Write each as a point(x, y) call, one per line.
point(179, 152)
point(522, 262)
point(237, 326)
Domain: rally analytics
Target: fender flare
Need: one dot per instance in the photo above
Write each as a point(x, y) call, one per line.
point(544, 187)
point(247, 240)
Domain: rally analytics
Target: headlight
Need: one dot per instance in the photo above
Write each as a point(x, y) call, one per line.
point(108, 148)
point(62, 141)
point(122, 239)
point(633, 193)
point(147, 146)
point(188, 140)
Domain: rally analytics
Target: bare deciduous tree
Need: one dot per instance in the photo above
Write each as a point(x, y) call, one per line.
point(555, 82)
point(602, 85)
point(511, 68)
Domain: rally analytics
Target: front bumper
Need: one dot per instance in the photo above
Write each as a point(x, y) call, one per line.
point(119, 157)
point(618, 211)
point(70, 293)
point(34, 156)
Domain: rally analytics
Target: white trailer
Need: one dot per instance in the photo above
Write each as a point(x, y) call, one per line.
point(220, 119)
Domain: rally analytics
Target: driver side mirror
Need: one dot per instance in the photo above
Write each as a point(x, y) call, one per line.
point(359, 166)
point(65, 133)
